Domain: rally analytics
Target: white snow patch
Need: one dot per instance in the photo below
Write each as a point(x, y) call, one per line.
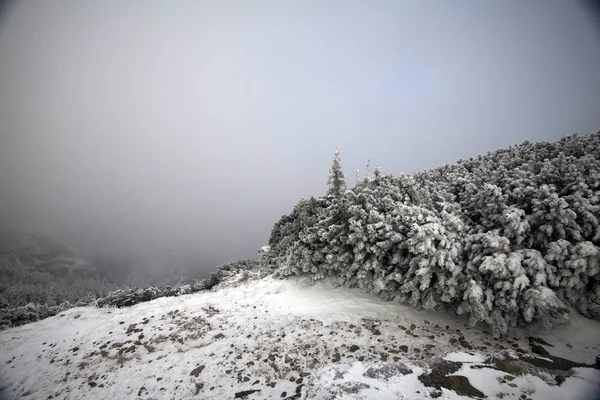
point(465, 357)
point(270, 331)
point(330, 303)
point(582, 386)
point(348, 381)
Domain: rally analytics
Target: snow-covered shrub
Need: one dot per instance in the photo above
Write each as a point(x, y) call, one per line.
point(508, 237)
point(31, 312)
point(132, 296)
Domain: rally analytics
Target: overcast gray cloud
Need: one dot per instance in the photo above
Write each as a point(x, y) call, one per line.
point(183, 130)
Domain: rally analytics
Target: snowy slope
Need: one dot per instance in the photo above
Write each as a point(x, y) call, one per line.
point(279, 338)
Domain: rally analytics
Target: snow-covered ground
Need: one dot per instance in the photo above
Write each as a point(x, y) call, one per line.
point(271, 338)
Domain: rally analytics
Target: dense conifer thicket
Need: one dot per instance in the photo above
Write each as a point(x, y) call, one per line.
point(506, 238)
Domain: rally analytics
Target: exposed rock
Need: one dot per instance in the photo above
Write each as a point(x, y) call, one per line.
point(519, 364)
point(353, 387)
point(199, 387)
point(440, 377)
point(537, 349)
point(196, 371)
point(386, 371)
point(245, 393)
point(538, 340)
point(142, 391)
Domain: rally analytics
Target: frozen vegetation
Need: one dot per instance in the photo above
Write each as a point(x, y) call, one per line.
point(41, 276)
point(505, 238)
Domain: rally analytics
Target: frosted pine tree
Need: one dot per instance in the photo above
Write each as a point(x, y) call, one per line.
point(551, 218)
point(514, 224)
point(542, 303)
point(367, 171)
point(377, 173)
point(336, 182)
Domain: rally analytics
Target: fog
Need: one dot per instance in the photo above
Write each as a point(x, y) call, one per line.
point(179, 132)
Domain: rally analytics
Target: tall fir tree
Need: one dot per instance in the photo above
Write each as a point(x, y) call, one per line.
point(336, 182)
point(367, 170)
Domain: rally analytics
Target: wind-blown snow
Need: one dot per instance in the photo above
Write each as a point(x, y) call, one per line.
point(270, 335)
point(329, 303)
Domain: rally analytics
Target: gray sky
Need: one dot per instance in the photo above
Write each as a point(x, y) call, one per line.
point(185, 129)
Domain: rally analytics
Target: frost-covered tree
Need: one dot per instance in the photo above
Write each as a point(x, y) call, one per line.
point(336, 182)
point(377, 172)
point(367, 171)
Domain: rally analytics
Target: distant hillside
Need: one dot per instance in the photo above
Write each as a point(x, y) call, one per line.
point(507, 237)
point(42, 269)
point(40, 276)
